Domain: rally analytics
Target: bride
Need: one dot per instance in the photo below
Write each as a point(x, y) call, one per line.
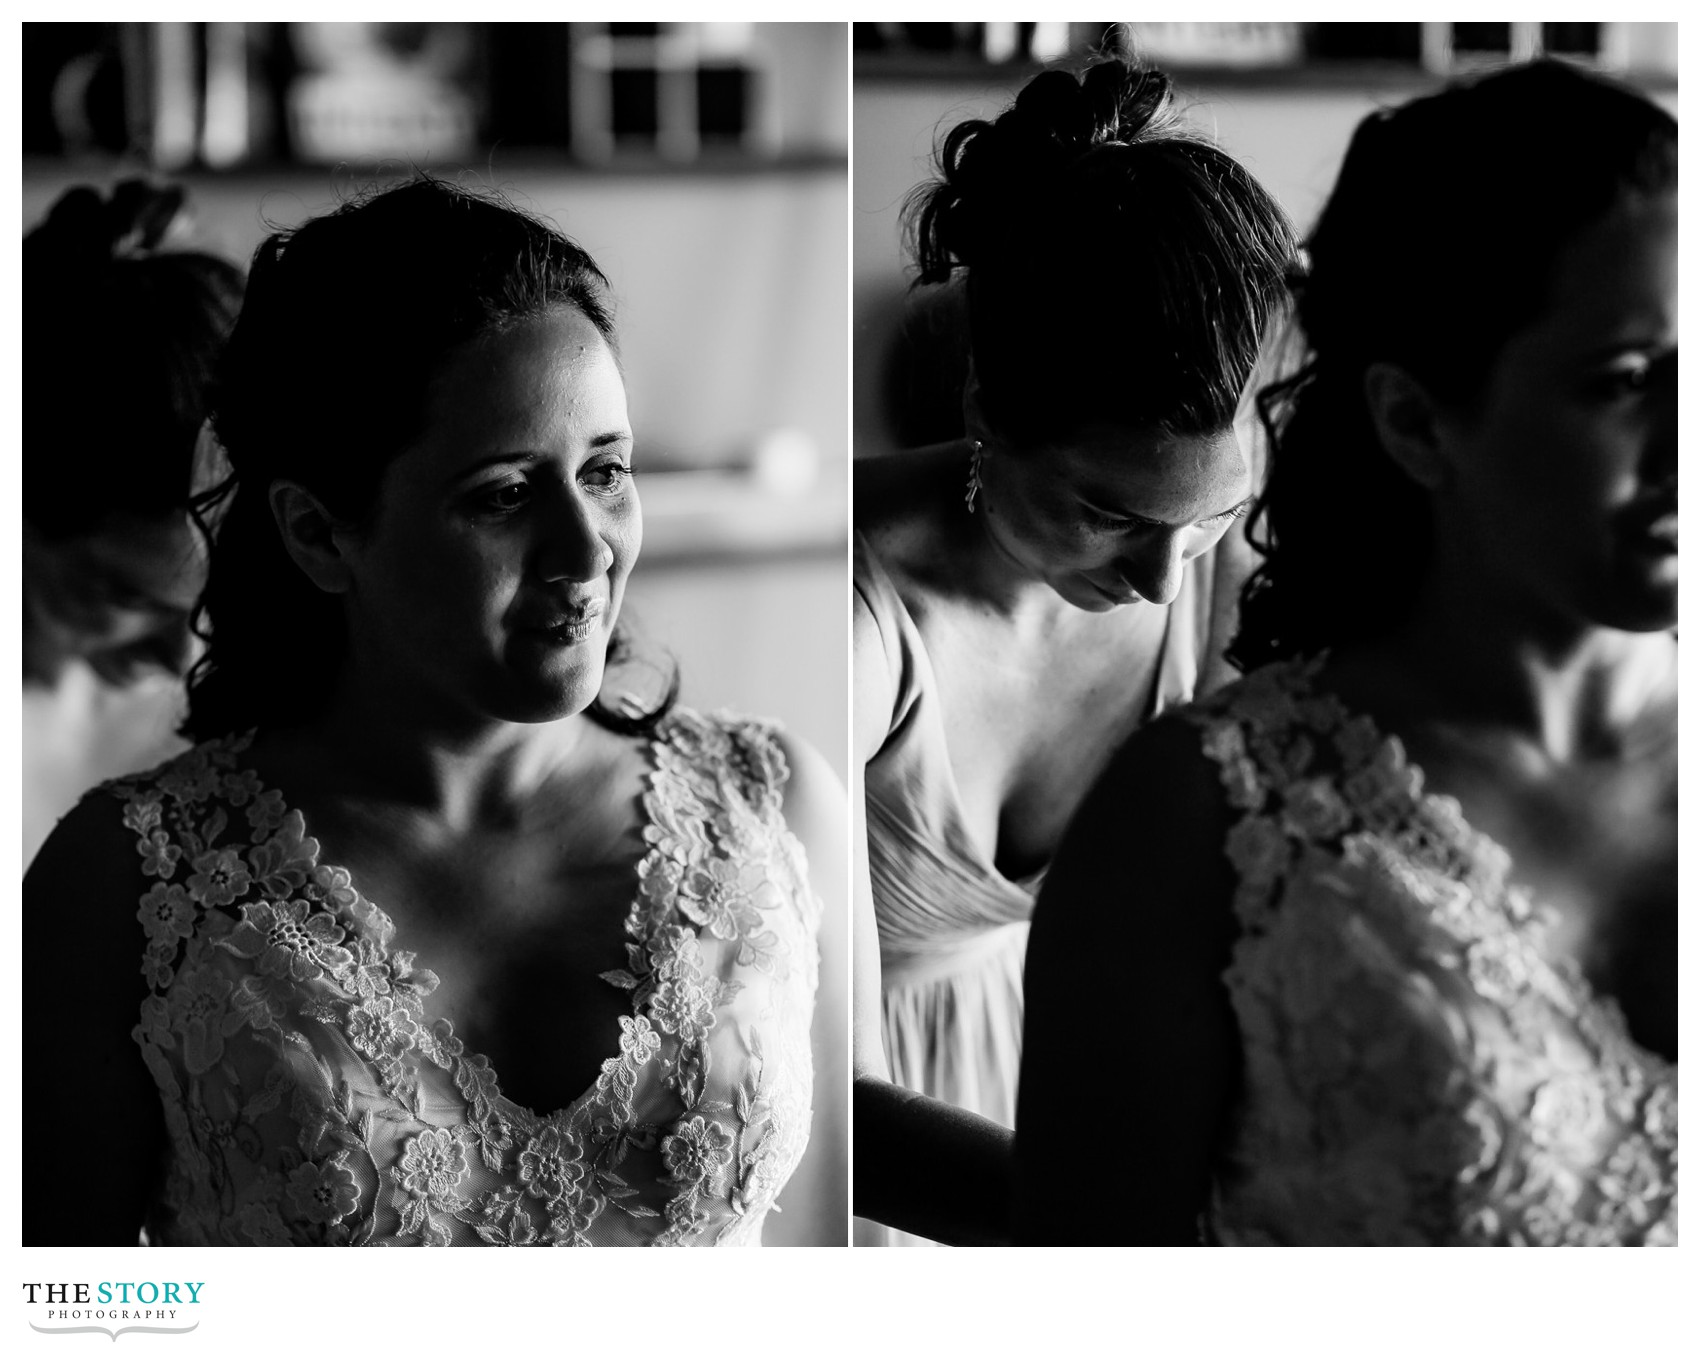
point(437, 937)
point(1398, 964)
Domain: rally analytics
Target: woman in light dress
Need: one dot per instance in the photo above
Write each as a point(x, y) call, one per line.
point(1378, 946)
point(1029, 594)
point(440, 935)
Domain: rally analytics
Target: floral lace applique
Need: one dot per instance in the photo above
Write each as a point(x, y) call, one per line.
point(309, 1098)
point(1417, 1071)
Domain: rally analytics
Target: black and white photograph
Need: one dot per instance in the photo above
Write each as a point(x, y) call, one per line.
point(1264, 640)
point(433, 563)
point(993, 655)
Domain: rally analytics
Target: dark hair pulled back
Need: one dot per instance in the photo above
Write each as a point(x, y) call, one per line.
point(1435, 247)
point(324, 383)
point(121, 333)
point(1120, 269)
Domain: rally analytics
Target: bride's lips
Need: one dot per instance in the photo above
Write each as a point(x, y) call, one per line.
point(563, 627)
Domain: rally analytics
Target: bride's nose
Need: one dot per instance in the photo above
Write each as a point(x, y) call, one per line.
point(570, 543)
point(1154, 567)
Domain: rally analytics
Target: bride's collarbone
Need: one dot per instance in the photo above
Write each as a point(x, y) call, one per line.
point(1595, 841)
point(519, 943)
point(518, 923)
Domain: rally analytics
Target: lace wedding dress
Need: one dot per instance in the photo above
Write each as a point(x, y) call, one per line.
point(311, 1097)
point(1417, 1068)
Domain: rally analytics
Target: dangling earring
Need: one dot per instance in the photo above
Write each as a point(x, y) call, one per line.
point(973, 476)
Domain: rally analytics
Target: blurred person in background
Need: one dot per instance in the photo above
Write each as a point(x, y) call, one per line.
point(120, 335)
point(1028, 595)
point(551, 977)
point(1398, 964)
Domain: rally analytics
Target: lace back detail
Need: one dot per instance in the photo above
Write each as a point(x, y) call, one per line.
point(311, 1098)
point(1417, 1069)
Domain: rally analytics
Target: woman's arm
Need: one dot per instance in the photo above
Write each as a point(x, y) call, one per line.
point(1131, 1051)
point(818, 1192)
point(922, 1165)
point(93, 1133)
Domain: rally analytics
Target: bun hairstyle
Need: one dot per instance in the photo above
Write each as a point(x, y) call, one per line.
point(120, 338)
point(347, 320)
point(1120, 269)
point(1435, 247)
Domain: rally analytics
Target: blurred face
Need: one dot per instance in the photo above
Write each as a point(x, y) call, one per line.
point(120, 598)
point(1564, 469)
point(1113, 517)
point(489, 582)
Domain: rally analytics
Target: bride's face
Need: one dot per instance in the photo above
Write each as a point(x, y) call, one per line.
point(489, 582)
point(1113, 516)
point(1564, 469)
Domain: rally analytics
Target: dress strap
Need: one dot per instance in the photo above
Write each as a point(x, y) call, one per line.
point(875, 593)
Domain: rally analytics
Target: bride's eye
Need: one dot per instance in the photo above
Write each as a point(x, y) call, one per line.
point(505, 498)
point(607, 478)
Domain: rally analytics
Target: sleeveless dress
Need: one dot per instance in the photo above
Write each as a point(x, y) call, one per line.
point(312, 1097)
point(952, 928)
point(1416, 1071)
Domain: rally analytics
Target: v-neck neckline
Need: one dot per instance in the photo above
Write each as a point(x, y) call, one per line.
point(957, 829)
point(636, 928)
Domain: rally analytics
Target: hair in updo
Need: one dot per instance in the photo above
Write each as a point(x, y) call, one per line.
point(120, 335)
point(1435, 247)
point(347, 322)
point(1120, 269)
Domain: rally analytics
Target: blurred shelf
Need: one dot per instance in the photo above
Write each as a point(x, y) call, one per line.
point(1391, 77)
point(519, 163)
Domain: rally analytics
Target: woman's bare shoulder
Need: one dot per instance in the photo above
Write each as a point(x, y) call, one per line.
point(901, 497)
point(815, 807)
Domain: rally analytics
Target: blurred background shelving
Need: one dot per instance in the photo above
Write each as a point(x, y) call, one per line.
point(1261, 53)
point(703, 164)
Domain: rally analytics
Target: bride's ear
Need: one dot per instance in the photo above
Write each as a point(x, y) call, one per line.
point(1407, 420)
point(310, 536)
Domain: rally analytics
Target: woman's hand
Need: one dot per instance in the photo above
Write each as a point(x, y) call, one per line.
point(922, 1165)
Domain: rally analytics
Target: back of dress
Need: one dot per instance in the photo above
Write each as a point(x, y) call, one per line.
point(1416, 1070)
point(311, 1097)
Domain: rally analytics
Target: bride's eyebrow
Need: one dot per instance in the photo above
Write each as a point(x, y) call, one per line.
point(472, 469)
